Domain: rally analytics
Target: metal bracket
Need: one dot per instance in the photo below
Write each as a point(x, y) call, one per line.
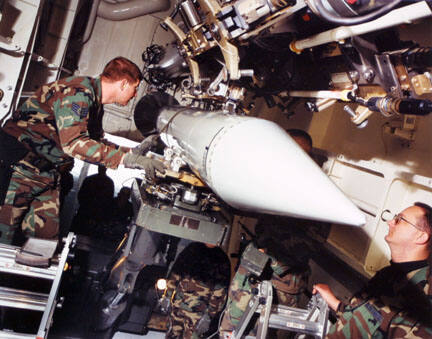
point(388, 75)
point(8, 45)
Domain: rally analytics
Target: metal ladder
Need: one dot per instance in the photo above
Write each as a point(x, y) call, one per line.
point(28, 300)
point(310, 321)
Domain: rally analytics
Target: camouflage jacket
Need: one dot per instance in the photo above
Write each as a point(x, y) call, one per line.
point(200, 279)
point(395, 304)
point(64, 119)
point(295, 280)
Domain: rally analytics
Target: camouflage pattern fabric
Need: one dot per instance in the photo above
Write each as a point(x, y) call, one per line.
point(29, 187)
point(289, 248)
point(394, 304)
point(62, 119)
point(240, 291)
point(197, 285)
point(295, 279)
point(239, 295)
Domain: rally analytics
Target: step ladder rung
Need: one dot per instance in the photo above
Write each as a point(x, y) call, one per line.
point(8, 265)
point(15, 335)
point(29, 300)
point(11, 297)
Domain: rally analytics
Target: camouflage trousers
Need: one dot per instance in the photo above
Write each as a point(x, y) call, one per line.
point(183, 319)
point(32, 203)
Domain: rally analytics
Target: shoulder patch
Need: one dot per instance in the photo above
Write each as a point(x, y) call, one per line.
point(80, 111)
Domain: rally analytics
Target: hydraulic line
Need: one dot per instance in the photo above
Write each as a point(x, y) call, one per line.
point(389, 105)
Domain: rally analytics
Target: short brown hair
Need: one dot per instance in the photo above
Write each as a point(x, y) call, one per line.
point(121, 68)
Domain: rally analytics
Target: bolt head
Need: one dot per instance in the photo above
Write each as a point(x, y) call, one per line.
point(369, 75)
point(354, 75)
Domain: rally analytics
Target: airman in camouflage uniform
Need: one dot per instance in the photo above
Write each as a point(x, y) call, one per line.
point(397, 301)
point(198, 287)
point(60, 120)
point(289, 243)
point(394, 304)
point(289, 282)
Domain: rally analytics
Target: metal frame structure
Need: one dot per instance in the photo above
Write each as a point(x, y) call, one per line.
point(29, 300)
point(311, 321)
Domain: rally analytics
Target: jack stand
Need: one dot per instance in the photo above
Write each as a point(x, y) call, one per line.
point(143, 247)
point(310, 321)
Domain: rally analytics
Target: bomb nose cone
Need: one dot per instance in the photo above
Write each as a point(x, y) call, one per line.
point(257, 166)
point(253, 164)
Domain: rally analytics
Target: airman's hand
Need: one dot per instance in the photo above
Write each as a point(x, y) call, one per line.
point(146, 145)
point(141, 162)
point(327, 294)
